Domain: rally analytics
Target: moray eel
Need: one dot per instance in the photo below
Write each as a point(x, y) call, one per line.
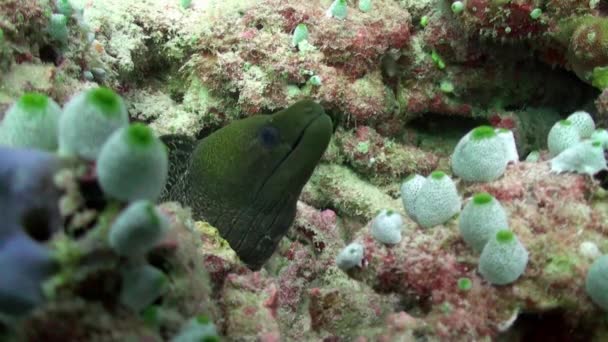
point(245, 178)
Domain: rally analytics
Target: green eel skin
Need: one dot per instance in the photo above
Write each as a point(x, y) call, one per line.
point(245, 178)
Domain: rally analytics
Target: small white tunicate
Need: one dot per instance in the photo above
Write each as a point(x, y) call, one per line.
point(350, 256)
point(589, 250)
point(387, 227)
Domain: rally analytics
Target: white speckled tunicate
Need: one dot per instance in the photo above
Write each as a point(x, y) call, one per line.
point(589, 250)
point(600, 135)
point(437, 201)
point(86, 124)
point(503, 259)
point(409, 191)
point(31, 122)
point(583, 122)
point(141, 286)
point(137, 229)
point(562, 135)
point(351, 256)
point(480, 156)
point(596, 282)
point(585, 157)
point(387, 226)
point(480, 220)
point(509, 140)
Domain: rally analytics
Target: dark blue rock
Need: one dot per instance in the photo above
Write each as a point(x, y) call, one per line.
point(28, 196)
point(25, 264)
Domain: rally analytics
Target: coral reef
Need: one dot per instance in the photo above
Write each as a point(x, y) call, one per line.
point(403, 82)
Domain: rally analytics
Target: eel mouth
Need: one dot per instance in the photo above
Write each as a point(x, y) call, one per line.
point(302, 133)
point(298, 142)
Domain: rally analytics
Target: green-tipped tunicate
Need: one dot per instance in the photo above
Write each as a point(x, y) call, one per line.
point(533, 157)
point(424, 20)
point(481, 218)
point(437, 200)
point(32, 122)
point(387, 226)
point(583, 122)
point(315, 80)
point(508, 139)
point(65, 7)
point(185, 3)
point(596, 283)
point(457, 7)
point(300, 33)
point(141, 286)
point(464, 284)
point(137, 229)
point(88, 120)
point(351, 256)
point(133, 164)
point(338, 9)
point(584, 157)
point(58, 27)
point(365, 5)
point(198, 329)
point(409, 190)
point(536, 13)
point(480, 156)
point(503, 259)
point(562, 135)
point(600, 135)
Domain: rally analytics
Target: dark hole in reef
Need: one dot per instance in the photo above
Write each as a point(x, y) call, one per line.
point(4, 330)
point(92, 193)
point(552, 326)
point(158, 257)
point(439, 132)
point(177, 96)
point(35, 223)
point(259, 26)
point(101, 285)
point(436, 123)
point(414, 306)
point(602, 177)
point(49, 54)
point(337, 118)
point(603, 8)
point(206, 131)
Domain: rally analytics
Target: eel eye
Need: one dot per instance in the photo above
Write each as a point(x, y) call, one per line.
point(269, 136)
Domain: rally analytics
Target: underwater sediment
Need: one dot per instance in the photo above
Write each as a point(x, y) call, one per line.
point(454, 189)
